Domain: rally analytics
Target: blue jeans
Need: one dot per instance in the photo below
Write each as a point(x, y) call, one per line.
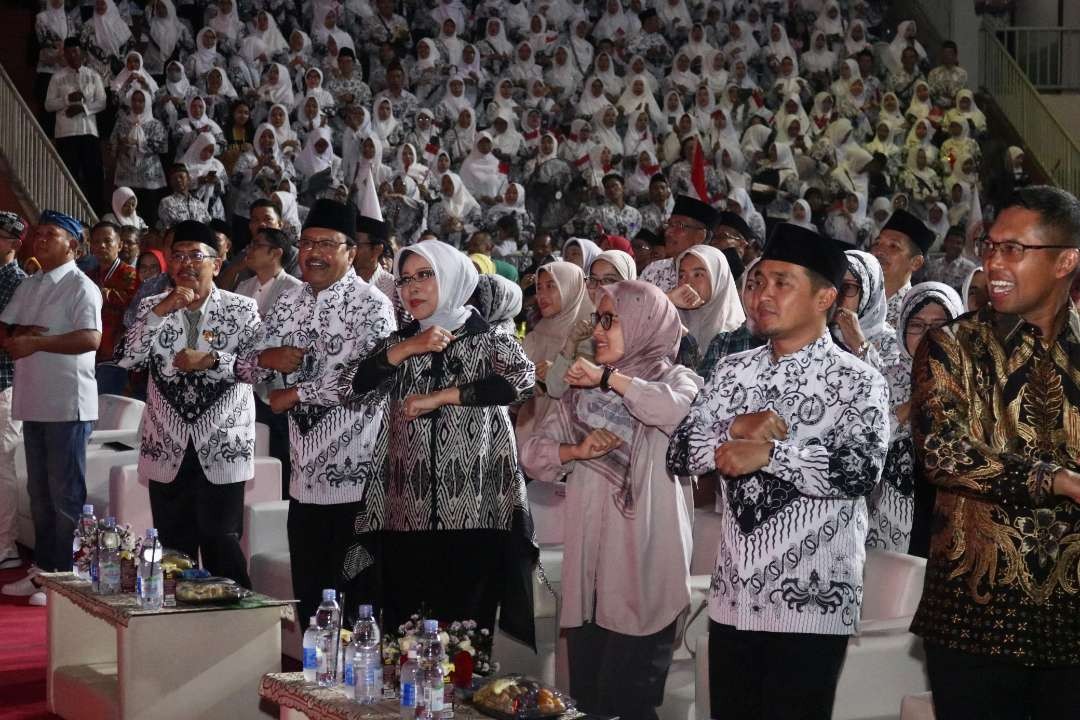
point(56, 480)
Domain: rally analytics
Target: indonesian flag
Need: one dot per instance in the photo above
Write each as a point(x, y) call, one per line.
point(975, 223)
point(697, 173)
point(504, 168)
point(582, 161)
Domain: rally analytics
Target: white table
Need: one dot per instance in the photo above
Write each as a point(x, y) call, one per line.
point(108, 659)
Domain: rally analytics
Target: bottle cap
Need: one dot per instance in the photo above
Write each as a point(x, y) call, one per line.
point(329, 595)
point(365, 612)
point(151, 533)
point(87, 509)
point(431, 626)
point(110, 521)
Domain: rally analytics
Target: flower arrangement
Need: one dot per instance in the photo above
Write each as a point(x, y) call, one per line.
point(467, 647)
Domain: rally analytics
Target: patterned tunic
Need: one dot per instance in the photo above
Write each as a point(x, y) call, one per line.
point(331, 444)
point(791, 552)
point(994, 415)
point(176, 208)
point(662, 274)
point(952, 273)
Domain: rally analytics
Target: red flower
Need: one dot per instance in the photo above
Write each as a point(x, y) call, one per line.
point(463, 669)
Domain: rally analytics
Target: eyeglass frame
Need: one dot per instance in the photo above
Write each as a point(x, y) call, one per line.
point(321, 244)
point(845, 293)
point(604, 320)
point(595, 282)
point(420, 277)
point(984, 243)
point(195, 257)
point(927, 327)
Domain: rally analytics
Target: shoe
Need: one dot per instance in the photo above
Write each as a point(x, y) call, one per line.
point(11, 562)
point(39, 599)
point(21, 588)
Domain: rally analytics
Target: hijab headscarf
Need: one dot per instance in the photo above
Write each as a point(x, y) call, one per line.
point(589, 250)
point(651, 332)
point(900, 43)
point(480, 171)
point(310, 161)
point(498, 301)
point(56, 20)
point(455, 278)
point(917, 297)
point(872, 306)
point(181, 87)
point(622, 261)
point(723, 312)
point(384, 128)
point(227, 25)
point(280, 91)
point(272, 38)
point(196, 166)
point(165, 32)
point(111, 33)
point(120, 196)
point(550, 334)
point(205, 57)
point(226, 90)
point(461, 202)
point(122, 77)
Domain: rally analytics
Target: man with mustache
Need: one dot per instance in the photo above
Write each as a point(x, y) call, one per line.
point(310, 335)
point(198, 431)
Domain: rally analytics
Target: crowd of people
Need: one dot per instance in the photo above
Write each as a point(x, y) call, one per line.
point(617, 251)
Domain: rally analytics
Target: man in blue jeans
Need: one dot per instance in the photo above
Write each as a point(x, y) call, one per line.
point(52, 329)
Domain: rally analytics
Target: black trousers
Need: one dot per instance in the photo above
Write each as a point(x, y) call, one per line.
point(82, 155)
point(326, 553)
point(616, 674)
point(979, 687)
point(279, 439)
point(195, 516)
point(773, 676)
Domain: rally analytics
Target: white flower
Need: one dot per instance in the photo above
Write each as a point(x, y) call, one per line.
point(467, 647)
point(444, 638)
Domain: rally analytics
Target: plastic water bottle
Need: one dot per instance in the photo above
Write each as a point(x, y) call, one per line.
point(367, 658)
point(83, 567)
point(109, 558)
point(328, 639)
point(151, 581)
point(429, 702)
point(410, 673)
point(348, 674)
point(311, 650)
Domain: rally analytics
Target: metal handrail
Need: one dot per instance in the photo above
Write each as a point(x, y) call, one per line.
point(1050, 56)
point(33, 159)
point(1048, 141)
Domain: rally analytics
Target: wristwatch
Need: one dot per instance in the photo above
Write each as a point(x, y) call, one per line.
point(608, 370)
point(217, 360)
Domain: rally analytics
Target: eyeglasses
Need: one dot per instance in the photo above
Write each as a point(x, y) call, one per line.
point(324, 245)
point(1010, 250)
point(604, 320)
point(419, 278)
point(919, 327)
point(595, 281)
point(194, 257)
point(685, 227)
point(850, 289)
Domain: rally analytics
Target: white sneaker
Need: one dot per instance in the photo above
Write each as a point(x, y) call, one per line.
point(11, 562)
point(21, 588)
point(39, 599)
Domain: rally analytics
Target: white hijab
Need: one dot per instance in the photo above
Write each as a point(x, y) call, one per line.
point(455, 278)
point(110, 31)
point(165, 32)
point(310, 161)
point(480, 171)
point(723, 312)
point(461, 202)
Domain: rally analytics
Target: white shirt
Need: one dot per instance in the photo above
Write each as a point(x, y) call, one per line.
point(331, 445)
point(53, 387)
point(63, 83)
point(662, 274)
point(791, 553)
point(893, 304)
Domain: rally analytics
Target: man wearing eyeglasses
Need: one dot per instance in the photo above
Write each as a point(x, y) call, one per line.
point(901, 248)
point(996, 398)
point(690, 224)
point(198, 430)
point(310, 335)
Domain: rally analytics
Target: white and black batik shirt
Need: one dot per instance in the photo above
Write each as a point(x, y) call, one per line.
point(791, 554)
point(331, 443)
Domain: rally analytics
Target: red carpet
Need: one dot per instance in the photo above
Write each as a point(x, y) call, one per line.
point(22, 656)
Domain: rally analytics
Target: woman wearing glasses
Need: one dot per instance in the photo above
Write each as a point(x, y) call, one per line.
point(904, 496)
point(454, 497)
point(626, 563)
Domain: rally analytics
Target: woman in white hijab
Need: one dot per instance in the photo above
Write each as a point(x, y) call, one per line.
point(309, 117)
point(848, 223)
point(108, 31)
point(965, 110)
point(730, 165)
point(921, 103)
point(266, 29)
point(207, 174)
point(779, 46)
point(802, 215)
point(196, 122)
point(457, 212)
point(369, 159)
point(125, 209)
point(855, 40)
point(495, 45)
point(206, 56)
point(614, 24)
point(819, 59)
point(613, 84)
point(225, 21)
point(706, 295)
point(277, 87)
point(449, 42)
point(405, 163)
point(715, 74)
point(593, 99)
point(581, 49)
point(461, 137)
point(523, 70)
point(698, 47)
point(139, 139)
point(385, 125)
point(313, 87)
point(639, 136)
point(316, 157)
point(919, 178)
point(645, 167)
point(906, 36)
point(831, 20)
point(921, 135)
point(454, 100)
point(580, 252)
point(480, 171)
point(133, 76)
point(681, 78)
point(605, 131)
point(562, 77)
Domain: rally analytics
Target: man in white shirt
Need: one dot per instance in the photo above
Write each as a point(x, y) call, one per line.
point(52, 331)
point(797, 431)
point(311, 335)
point(77, 94)
point(265, 256)
point(198, 430)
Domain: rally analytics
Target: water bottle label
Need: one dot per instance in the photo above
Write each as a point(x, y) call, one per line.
point(373, 676)
point(350, 674)
point(310, 659)
point(151, 587)
point(110, 574)
point(435, 698)
point(408, 694)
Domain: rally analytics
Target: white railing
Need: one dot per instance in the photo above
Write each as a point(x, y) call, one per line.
point(1048, 141)
point(1050, 57)
point(33, 160)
